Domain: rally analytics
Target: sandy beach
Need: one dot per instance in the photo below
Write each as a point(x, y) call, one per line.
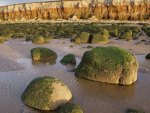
point(17, 70)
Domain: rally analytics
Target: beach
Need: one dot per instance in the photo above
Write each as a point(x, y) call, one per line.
point(17, 70)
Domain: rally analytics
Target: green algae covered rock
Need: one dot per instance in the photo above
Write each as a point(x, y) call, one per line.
point(77, 41)
point(84, 37)
point(127, 35)
point(46, 93)
point(105, 32)
point(147, 56)
point(68, 59)
point(43, 54)
point(47, 39)
point(2, 39)
point(134, 111)
point(108, 65)
point(114, 32)
point(98, 38)
point(38, 40)
point(70, 108)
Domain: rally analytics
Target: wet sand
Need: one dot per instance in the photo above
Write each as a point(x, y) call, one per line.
point(93, 97)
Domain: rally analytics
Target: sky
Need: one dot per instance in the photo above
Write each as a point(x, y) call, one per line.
point(7, 2)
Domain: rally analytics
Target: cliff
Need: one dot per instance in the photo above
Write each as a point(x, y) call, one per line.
point(83, 9)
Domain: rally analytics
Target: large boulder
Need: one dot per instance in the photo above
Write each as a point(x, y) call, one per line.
point(43, 55)
point(70, 108)
point(109, 65)
point(46, 93)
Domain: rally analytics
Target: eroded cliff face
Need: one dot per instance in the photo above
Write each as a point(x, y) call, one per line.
point(83, 9)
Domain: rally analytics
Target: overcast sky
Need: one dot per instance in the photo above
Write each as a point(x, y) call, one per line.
point(7, 2)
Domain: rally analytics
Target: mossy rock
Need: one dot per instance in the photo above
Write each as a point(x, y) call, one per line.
point(114, 32)
point(38, 40)
point(135, 30)
point(105, 32)
point(2, 39)
point(46, 93)
point(134, 111)
point(127, 35)
point(77, 41)
point(68, 59)
point(70, 108)
point(41, 54)
point(147, 56)
point(98, 38)
point(84, 37)
point(47, 39)
point(108, 65)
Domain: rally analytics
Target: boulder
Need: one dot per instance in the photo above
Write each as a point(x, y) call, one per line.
point(68, 59)
point(105, 32)
point(84, 37)
point(77, 41)
point(38, 40)
point(47, 39)
point(108, 65)
point(46, 93)
point(43, 54)
point(114, 32)
point(70, 108)
point(98, 38)
point(127, 35)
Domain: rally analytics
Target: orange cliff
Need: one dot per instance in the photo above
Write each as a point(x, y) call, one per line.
point(83, 9)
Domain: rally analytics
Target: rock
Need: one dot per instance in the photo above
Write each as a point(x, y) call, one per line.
point(83, 36)
point(47, 39)
point(127, 35)
point(2, 39)
point(46, 93)
point(70, 108)
point(108, 65)
point(68, 59)
point(38, 40)
point(114, 32)
point(134, 111)
point(43, 55)
point(147, 56)
point(77, 41)
point(105, 32)
point(98, 38)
